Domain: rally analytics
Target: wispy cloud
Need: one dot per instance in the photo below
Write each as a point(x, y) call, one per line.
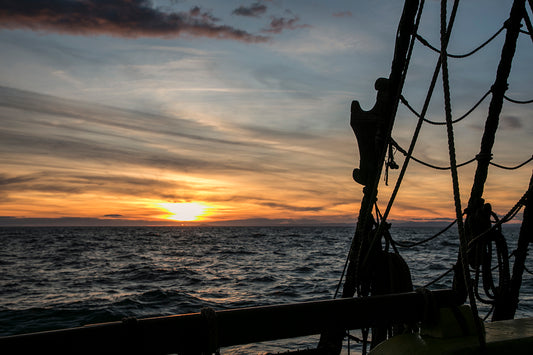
point(60, 140)
point(279, 24)
point(68, 182)
point(511, 122)
point(120, 18)
point(343, 14)
point(284, 206)
point(255, 10)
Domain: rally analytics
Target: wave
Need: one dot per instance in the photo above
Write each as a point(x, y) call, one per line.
point(151, 303)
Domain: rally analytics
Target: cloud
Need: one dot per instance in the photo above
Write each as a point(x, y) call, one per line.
point(5, 180)
point(197, 11)
point(95, 114)
point(62, 140)
point(255, 10)
point(292, 208)
point(75, 130)
point(117, 184)
point(343, 14)
point(120, 18)
point(279, 24)
point(511, 122)
point(113, 216)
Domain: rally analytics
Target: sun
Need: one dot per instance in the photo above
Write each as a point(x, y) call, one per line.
point(185, 211)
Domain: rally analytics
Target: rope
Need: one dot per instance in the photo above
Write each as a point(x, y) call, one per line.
point(518, 101)
point(455, 178)
point(342, 275)
point(401, 150)
point(410, 245)
point(508, 216)
point(512, 167)
point(528, 21)
point(398, 74)
point(387, 234)
point(488, 313)
point(427, 44)
point(413, 142)
point(438, 278)
point(404, 152)
point(406, 103)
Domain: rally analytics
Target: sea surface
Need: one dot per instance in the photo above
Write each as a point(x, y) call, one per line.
point(60, 277)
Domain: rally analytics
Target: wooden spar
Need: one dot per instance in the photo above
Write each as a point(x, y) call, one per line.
point(197, 333)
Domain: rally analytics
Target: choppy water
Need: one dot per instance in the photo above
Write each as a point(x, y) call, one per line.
point(64, 277)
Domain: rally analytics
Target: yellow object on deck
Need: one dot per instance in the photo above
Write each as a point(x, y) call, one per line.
point(502, 337)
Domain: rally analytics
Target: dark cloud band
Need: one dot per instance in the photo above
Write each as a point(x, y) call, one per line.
point(279, 24)
point(254, 10)
point(121, 18)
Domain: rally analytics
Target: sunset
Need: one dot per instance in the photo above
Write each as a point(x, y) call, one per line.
point(266, 176)
point(244, 110)
point(185, 211)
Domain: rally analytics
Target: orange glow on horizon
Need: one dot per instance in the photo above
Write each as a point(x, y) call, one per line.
point(185, 211)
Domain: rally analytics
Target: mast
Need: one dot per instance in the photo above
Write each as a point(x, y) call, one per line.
point(380, 121)
point(373, 129)
point(478, 213)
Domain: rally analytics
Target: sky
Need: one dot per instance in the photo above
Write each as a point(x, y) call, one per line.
point(131, 112)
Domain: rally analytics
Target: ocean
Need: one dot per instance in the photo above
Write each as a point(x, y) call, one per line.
point(58, 277)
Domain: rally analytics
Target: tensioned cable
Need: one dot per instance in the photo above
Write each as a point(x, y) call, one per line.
point(511, 167)
point(427, 44)
point(518, 101)
point(528, 21)
point(488, 313)
point(401, 150)
point(455, 179)
point(410, 245)
point(406, 103)
point(413, 139)
point(438, 278)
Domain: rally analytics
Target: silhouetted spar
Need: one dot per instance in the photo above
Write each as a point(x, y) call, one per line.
point(208, 330)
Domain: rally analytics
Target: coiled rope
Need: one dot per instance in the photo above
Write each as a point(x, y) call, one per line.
point(508, 217)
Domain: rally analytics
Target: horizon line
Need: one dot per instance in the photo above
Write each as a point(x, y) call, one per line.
point(9, 221)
